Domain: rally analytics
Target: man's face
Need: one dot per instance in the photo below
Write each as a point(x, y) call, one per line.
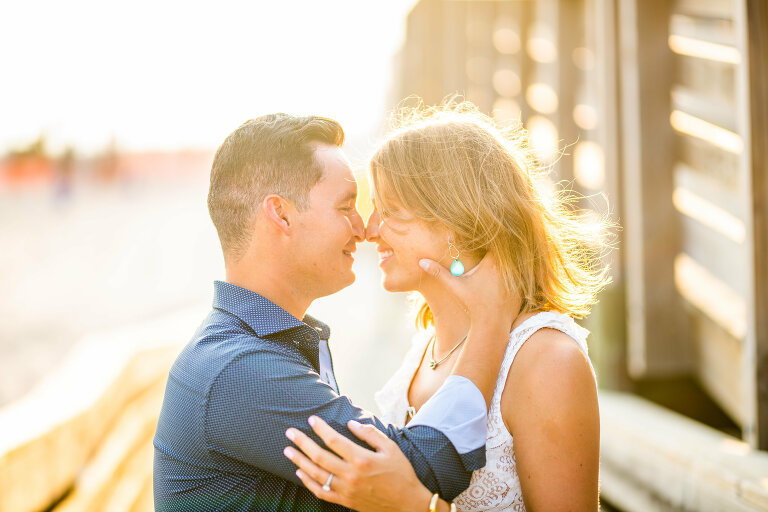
point(329, 229)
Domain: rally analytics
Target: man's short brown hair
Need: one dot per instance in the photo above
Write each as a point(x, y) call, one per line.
point(271, 154)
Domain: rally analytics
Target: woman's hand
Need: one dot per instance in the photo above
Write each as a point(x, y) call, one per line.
point(492, 309)
point(370, 481)
point(482, 290)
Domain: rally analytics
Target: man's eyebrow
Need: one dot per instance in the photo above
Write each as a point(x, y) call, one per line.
point(349, 196)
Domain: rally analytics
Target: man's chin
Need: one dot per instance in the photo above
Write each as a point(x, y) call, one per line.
point(350, 278)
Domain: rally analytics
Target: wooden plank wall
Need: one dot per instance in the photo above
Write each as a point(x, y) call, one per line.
point(608, 347)
point(752, 16)
point(711, 267)
point(660, 106)
point(651, 237)
point(678, 119)
point(719, 115)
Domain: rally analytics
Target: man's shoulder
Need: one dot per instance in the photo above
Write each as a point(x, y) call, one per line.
point(222, 341)
point(220, 324)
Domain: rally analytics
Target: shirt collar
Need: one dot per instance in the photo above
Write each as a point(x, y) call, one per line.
point(323, 331)
point(261, 314)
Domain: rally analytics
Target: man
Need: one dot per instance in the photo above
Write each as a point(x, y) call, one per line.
point(282, 198)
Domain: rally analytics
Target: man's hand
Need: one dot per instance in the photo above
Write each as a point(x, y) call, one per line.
point(370, 481)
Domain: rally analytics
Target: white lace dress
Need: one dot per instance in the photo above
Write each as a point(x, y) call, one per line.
point(495, 487)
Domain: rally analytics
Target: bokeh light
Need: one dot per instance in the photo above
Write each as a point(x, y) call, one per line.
point(589, 165)
point(542, 98)
point(543, 137)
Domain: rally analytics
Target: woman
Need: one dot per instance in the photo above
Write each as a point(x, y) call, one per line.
point(451, 187)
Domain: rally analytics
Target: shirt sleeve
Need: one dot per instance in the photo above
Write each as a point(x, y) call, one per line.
point(458, 411)
point(262, 393)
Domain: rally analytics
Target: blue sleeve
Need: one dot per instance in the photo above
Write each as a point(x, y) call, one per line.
point(261, 394)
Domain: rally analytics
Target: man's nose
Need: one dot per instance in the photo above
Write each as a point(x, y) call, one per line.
point(372, 226)
point(358, 229)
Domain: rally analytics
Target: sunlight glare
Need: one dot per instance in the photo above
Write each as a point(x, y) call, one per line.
point(172, 75)
point(704, 130)
point(711, 295)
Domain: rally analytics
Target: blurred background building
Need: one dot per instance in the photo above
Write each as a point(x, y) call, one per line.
point(656, 111)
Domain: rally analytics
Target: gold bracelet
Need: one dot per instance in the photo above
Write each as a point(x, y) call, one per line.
point(433, 503)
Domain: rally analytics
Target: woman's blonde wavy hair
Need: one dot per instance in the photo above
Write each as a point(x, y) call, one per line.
point(453, 166)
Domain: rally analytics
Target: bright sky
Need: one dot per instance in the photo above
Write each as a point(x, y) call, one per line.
point(166, 74)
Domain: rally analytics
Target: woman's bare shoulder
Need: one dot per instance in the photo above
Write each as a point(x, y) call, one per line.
point(551, 374)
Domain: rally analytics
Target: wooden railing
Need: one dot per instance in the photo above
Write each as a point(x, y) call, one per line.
point(655, 459)
point(82, 439)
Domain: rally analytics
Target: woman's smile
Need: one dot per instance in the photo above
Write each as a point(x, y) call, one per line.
point(384, 254)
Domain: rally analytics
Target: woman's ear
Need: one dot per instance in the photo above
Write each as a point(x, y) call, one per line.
point(279, 212)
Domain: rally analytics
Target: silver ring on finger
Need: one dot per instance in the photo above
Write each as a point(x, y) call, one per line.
point(327, 484)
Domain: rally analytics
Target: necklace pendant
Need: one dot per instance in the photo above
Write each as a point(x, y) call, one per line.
point(433, 364)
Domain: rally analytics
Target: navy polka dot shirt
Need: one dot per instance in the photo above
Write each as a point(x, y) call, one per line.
point(251, 371)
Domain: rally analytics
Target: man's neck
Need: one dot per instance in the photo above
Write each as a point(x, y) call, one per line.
point(271, 285)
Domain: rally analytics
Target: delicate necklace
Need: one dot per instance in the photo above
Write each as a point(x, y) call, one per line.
point(432, 363)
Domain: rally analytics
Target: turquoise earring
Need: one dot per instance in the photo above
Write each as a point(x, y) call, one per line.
point(457, 267)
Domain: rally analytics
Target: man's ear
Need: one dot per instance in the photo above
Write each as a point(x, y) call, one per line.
point(279, 212)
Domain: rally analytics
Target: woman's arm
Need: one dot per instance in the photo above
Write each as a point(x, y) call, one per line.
point(550, 407)
point(492, 309)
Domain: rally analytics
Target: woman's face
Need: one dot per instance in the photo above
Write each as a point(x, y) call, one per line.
point(402, 240)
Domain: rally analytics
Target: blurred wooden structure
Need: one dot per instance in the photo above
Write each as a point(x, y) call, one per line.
point(660, 106)
point(82, 439)
point(657, 460)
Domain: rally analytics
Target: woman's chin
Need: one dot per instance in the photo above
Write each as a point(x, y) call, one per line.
point(386, 285)
point(392, 285)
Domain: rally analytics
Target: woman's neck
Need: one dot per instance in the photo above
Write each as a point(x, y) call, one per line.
point(451, 321)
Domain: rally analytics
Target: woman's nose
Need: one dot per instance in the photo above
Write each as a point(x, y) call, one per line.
point(372, 226)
